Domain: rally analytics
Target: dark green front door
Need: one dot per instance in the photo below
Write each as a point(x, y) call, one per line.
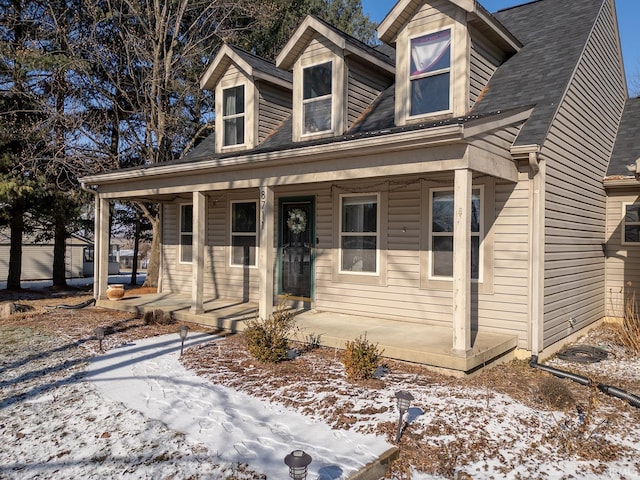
point(296, 242)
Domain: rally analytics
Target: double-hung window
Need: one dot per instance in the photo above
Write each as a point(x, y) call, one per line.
point(430, 74)
point(441, 233)
point(631, 223)
point(359, 233)
point(316, 98)
point(233, 115)
point(244, 233)
point(186, 233)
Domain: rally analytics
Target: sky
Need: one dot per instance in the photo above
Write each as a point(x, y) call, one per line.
point(628, 23)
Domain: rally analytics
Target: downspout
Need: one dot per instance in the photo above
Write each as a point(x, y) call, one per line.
point(537, 184)
point(536, 187)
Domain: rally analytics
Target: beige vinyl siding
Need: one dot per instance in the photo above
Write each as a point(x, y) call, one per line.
point(577, 150)
point(430, 12)
point(220, 279)
point(176, 276)
point(483, 66)
point(275, 107)
point(622, 261)
point(364, 87)
point(507, 308)
point(503, 308)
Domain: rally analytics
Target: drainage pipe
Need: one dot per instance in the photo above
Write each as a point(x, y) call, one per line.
point(633, 400)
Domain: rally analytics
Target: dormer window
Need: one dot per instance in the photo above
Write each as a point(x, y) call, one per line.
point(430, 74)
point(316, 98)
point(233, 115)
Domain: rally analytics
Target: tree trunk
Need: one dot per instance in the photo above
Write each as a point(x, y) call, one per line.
point(136, 252)
point(153, 269)
point(59, 253)
point(15, 250)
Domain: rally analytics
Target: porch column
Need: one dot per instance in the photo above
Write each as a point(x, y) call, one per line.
point(101, 249)
point(462, 262)
point(197, 259)
point(265, 257)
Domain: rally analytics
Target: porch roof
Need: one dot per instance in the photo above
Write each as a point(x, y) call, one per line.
point(425, 344)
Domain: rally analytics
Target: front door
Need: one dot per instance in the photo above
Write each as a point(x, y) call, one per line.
point(296, 242)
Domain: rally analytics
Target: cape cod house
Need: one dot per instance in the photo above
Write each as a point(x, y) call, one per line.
point(449, 180)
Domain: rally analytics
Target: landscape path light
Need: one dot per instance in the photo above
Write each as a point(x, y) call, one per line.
point(184, 330)
point(298, 461)
point(404, 402)
point(99, 331)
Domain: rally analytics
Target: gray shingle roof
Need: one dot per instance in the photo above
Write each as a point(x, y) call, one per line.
point(554, 34)
point(627, 147)
point(261, 64)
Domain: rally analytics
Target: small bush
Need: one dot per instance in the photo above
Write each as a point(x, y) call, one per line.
point(268, 339)
point(361, 359)
point(158, 317)
point(555, 393)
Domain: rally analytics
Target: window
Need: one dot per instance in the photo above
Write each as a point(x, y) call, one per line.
point(631, 223)
point(359, 233)
point(316, 98)
point(243, 233)
point(186, 233)
point(430, 73)
point(233, 115)
point(441, 234)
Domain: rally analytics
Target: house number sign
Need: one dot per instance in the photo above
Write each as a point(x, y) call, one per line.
point(263, 206)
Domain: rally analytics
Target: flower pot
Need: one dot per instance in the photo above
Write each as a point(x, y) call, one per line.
point(115, 291)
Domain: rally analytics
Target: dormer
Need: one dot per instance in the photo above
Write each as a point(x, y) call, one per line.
point(446, 53)
point(335, 79)
point(252, 98)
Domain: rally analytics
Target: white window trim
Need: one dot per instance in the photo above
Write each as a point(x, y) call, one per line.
point(359, 234)
point(431, 74)
point(480, 234)
point(242, 234)
point(304, 102)
point(181, 233)
point(625, 223)
point(235, 115)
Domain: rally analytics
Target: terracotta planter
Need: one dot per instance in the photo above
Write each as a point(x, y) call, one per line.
point(115, 291)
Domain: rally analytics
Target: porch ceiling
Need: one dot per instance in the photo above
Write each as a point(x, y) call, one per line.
point(429, 345)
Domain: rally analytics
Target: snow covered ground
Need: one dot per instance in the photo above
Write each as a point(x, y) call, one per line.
point(67, 412)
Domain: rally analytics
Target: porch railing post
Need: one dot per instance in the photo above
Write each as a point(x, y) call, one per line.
point(265, 258)
point(462, 262)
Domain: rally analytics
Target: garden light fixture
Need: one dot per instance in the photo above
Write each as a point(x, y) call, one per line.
point(404, 401)
point(298, 461)
point(99, 331)
point(184, 330)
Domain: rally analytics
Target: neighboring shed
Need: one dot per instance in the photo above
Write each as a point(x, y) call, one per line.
point(37, 257)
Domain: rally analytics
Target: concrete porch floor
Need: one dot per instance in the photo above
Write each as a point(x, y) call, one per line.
point(419, 343)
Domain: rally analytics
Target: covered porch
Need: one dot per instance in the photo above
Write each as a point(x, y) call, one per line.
point(425, 344)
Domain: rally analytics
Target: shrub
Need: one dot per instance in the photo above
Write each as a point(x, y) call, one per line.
point(361, 359)
point(268, 339)
point(158, 317)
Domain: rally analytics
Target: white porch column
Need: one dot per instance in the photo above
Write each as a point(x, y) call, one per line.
point(197, 259)
point(101, 249)
point(265, 257)
point(462, 262)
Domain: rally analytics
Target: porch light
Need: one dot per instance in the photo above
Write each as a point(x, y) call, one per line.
point(404, 401)
point(183, 332)
point(99, 332)
point(298, 461)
